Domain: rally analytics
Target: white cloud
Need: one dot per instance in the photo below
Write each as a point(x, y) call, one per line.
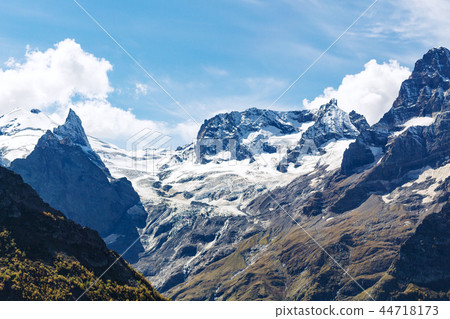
point(141, 89)
point(370, 92)
point(53, 77)
point(11, 63)
point(187, 130)
point(106, 122)
point(66, 77)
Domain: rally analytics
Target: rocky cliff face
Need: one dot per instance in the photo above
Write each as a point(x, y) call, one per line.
point(45, 256)
point(420, 272)
point(71, 177)
point(423, 94)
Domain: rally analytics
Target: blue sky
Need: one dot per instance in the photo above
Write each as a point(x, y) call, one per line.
point(223, 55)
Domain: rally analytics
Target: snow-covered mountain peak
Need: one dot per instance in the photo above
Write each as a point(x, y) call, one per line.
point(330, 110)
point(332, 104)
point(249, 133)
point(240, 124)
point(21, 119)
point(331, 123)
point(331, 132)
point(72, 133)
point(20, 130)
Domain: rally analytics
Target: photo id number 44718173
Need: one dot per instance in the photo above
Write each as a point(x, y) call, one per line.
point(409, 310)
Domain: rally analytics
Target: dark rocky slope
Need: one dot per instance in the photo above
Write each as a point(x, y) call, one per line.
point(421, 271)
point(45, 256)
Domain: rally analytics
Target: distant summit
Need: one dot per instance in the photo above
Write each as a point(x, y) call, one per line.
point(331, 123)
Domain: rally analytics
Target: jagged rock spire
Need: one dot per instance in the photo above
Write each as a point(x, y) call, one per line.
point(72, 129)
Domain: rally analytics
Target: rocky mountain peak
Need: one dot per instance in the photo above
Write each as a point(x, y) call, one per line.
point(435, 62)
point(240, 124)
point(238, 132)
point(359, 121)
point(332, 104)
point(72, 117)
point(424, 95)
point(425, 92)
point(332, 123)
point(411, 136)
point(73, 130)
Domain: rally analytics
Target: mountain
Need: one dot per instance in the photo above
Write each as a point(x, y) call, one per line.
point(197, 195)
point(331, 123)
point(242, 133)
point(180, 190)
point(70, 176)
point(410, 136)
point(45, 256)
point(374, 227)
point(420, 97)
